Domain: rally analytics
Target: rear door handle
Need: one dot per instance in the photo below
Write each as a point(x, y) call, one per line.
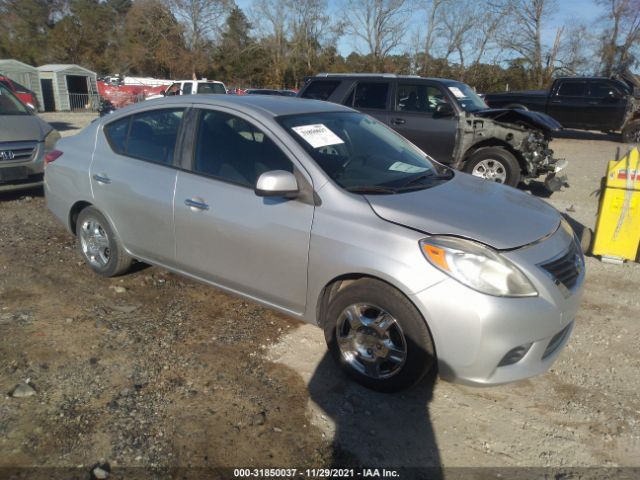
point(102, 179)
point(398, 121)
point(196, 204)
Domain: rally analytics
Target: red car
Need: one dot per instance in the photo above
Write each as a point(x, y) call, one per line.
point(25, 95)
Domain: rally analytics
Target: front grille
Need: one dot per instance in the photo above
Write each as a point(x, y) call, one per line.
point(17, 151)
point(566, 269)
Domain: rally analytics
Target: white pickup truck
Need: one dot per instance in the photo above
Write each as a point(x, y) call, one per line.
point(191, 87)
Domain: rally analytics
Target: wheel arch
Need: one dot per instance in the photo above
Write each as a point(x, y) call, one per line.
point(332, 287)
point(74, 212)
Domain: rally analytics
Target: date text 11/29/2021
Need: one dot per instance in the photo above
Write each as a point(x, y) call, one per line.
point(314, 473)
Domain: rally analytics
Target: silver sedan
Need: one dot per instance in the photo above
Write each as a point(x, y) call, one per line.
point(25, 139)
point(327, 215)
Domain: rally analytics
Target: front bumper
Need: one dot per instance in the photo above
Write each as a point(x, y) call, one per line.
point(22, 174)
point(473, 333)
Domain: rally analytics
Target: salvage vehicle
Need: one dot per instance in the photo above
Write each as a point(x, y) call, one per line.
point(329, 216)
point(23, 94)
point(446, 119)
point(584, 103)
point(191, 87)
point(25, 140)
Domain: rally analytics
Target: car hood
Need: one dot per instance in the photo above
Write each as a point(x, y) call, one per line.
point(526, 117)
point(18, 128)
point(496, 215)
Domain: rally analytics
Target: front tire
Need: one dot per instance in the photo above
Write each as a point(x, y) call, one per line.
point(378, 336)
point(495, 164)
point(99, 245)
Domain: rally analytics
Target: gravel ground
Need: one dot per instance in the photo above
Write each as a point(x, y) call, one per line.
point(152, 370)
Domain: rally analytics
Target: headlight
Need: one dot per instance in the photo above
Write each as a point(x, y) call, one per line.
point(477, 267)
point(50, 140)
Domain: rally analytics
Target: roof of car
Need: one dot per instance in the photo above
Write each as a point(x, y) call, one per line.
point(380, 75)
point(269, 105)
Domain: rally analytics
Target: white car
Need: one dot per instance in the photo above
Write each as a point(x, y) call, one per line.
point(189, 87)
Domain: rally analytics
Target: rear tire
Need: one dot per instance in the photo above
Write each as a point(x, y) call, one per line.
point(496, 164)
point(100, 247)
point(631, 132)
point(378, 336)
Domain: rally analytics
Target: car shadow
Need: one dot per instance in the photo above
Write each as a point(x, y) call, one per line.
point(536, 188)
point(377, 430)
point(21, 194)
point(62, 126)
point(587, 135)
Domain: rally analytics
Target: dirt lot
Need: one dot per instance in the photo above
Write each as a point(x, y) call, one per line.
point(153, 370)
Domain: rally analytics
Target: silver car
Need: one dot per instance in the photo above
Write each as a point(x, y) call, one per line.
point(25, 139)
point(327, 215)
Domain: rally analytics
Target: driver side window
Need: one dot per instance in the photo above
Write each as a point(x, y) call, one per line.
point(419, 98)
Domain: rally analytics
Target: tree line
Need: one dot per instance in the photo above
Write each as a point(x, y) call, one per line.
point(492, 45)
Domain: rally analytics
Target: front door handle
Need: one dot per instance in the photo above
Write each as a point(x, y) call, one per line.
point(102, 179)
point(196, 204)
point(398, 121)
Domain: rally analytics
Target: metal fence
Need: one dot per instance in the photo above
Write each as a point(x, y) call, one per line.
point(90, 102)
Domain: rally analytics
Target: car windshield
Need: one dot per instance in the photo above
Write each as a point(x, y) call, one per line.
point(9, 104)
point(211, 88)
point(466, 97)
point(362, 155)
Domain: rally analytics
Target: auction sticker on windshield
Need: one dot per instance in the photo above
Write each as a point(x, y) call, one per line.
point(317, 135)
point(407, 168)
point(457, 92)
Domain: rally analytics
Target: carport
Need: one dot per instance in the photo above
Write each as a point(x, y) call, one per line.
point(67, 87)
point(23, 74)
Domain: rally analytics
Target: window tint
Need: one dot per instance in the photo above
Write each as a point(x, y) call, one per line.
point(211, 88)
point(148, 136)
point(371, 95)
point(602, 90)
point(232, 149)
point(320, 90)
point(419, 98)
point(187, 88)
point(117, 134)
point(573, 89)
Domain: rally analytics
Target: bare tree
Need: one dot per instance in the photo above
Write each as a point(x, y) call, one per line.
point(202, 20)
point(621, 34)
point(272, 18)
point(381, 24)
point(574, 57)
point(524, 36)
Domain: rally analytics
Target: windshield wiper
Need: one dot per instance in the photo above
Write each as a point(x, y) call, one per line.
point(370, 189)
point(413, 182)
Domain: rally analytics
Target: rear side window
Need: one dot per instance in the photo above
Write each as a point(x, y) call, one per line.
point(320, 90)
point(211, 88)
point(573, 89)
point(117, 134)
point(148, 136)
point(187, 88)
point(371, 95)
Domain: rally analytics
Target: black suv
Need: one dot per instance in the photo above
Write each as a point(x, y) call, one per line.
point(446, 119)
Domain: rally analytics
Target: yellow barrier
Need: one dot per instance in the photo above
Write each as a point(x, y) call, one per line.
point(617, 235)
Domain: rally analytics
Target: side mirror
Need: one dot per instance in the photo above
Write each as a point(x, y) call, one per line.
point(31, 108)
point(277, 183)
point(444, 110)
point(163, 93)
